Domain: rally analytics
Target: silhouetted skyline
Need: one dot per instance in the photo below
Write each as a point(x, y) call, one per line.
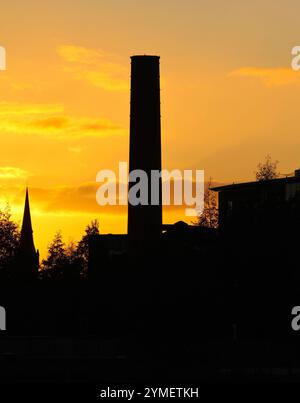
point(64, 98)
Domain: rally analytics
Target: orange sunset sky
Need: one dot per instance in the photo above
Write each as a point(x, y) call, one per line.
point(229, 97)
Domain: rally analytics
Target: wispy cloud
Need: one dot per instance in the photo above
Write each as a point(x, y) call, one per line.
point(106, 80)
point(52, 121)
point(12, 173)
point(79, 198)
point(14, 108)
point(269, 76)
point(80, 54)
point(96, 67)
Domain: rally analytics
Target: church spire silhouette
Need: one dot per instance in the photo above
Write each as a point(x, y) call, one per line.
point(28, 257)
point(26, 240)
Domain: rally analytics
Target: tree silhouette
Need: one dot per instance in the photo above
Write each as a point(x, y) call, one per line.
point(9, 238)
point(74, 263)
point(83, 244)
point(267, 170)
point(209, 218)
point(68, 262)
point(57, 258)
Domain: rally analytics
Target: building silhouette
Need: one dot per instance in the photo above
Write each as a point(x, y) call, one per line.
point(255, 207)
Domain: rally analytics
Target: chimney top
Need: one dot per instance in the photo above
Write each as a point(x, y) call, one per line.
point(144, 57)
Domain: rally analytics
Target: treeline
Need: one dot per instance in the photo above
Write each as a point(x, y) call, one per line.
point(68, 261)
point(62, 261)
point(9, 240)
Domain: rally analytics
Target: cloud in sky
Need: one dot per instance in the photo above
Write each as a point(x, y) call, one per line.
point(95, 67)
point(270, 77)
point(80, 54)
point(52, 121)
point(22, 109)
point(12, 173)
point(77, 198)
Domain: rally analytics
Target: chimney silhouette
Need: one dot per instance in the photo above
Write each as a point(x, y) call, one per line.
point(145, 221)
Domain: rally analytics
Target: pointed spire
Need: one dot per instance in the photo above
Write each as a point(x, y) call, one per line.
point(26, 240)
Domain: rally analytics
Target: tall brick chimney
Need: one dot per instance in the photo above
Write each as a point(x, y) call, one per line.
point(145, 221)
